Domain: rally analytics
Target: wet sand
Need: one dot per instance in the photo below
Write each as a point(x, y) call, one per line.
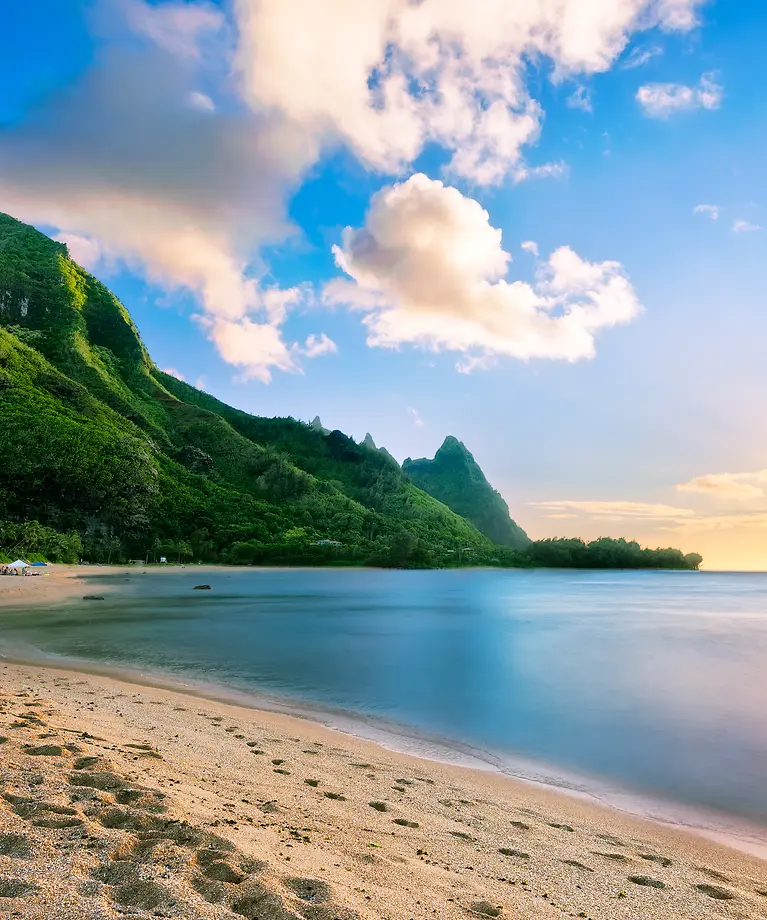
point(119, 799)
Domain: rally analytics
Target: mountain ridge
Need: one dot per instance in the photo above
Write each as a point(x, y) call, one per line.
point(455, 478)
point(105, 457)
point(96, 439)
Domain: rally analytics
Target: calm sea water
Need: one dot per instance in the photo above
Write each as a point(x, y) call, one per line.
point(653, 681)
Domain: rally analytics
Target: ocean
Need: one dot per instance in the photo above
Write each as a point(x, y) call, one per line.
point(633, 686)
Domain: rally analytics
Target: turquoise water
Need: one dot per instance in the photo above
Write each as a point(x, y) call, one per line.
point(653, 681)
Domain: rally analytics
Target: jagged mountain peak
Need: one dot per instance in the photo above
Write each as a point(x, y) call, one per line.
point(455, 478)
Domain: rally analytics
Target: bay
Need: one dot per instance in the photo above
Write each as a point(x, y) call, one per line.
point(649, 682)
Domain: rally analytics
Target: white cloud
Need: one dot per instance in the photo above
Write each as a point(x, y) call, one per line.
point(135, 160)
point(415, 415)
point(176, 27)
point(615, 510)
point(201, 101)
point(388, 76)
point(172, 372)
point(83, 249)
point(530, 246)
point(257, 348)
point(639, 56)
point(661, 100)
point(667, 518)
point(428, 269)
point(580, 98)
point(728, 486)
point(707, 523)
point(712, 211)
point(317, 345)
point(123, 165)
point(744, 226)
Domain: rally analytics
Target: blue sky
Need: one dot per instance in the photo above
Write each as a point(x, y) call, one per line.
point(202, 209)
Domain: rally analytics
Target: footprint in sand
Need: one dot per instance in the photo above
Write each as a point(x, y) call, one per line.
point(712, 873)
point(16, 846)
point(403, 822)
point(44, 750)
point(507, 851)
point(660, 860)
point(16, 888)
point(104, 781)
point(616, 857)
point(57, 824)
point(577, 865)
point(309, 889)
point(258, 903)
point(647, 881)
point(613, 841)
point(716, 892)
point(312, 782)
point(213, 865)
point(486, 909)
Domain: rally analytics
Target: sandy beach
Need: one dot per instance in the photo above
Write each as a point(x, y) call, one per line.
point(63, 582)
point(128, 800)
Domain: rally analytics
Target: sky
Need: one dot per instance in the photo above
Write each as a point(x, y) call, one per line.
point(536, 226)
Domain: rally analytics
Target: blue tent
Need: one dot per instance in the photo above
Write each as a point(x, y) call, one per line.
point(38, 563)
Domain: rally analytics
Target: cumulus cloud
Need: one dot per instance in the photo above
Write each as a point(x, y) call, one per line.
point(530, 246)
point(729, 486)
point(177, 151)
point(712, 211)
point(661, 100)
point(388, 76)
point(428, 269)
point(122, 164)
point(256, 348)
point(744, 226)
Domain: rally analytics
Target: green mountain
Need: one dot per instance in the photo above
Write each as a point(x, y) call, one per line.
point(97, 442)
point(455, 478)
point(105, 457)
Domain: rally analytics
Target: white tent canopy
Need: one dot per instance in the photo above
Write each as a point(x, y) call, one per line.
point(18, 564)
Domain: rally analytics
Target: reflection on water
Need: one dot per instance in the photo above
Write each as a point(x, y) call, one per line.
point(654, 680)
